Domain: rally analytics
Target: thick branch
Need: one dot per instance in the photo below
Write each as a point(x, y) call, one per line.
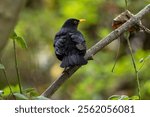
point(9, 11)
point(96, 48)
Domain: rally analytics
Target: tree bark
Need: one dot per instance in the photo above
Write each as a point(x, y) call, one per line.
point(9, 12)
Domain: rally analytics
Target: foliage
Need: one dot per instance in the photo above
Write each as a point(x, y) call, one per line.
point(19, 40)
point(123, 97)
point(100, 82)
point(28, 94)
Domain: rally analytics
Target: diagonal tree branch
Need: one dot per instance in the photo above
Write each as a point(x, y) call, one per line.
point(9, 12)
point(95, 49)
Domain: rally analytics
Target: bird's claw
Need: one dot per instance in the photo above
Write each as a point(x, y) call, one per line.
point(66, 70)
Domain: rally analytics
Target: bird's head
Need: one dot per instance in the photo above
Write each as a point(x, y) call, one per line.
point(72, 23)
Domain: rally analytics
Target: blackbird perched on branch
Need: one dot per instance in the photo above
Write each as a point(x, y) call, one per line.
point(69, 44)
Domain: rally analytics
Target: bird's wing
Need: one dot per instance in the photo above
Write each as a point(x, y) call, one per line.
point(59, 44)
point(79, 40)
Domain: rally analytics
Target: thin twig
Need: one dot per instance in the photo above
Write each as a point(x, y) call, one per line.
point(135, 67)
point(116, 58)
point(96, 48)
point(4, 71)
point(16, 66)
point(126, 2)
point(144, 28)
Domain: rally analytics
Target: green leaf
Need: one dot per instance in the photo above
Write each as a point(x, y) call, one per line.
point(31, 92)
point(20, 96)
point(40, 98)
point(2, 66)
point(134, 98)
point(7, 89)
point(141, 60)
point(124, 97)
point(114, 97)
point(13, 35)
point(118, 97)
point(21, 42)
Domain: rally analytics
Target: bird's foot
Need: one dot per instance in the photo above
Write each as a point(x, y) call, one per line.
point(66, 70)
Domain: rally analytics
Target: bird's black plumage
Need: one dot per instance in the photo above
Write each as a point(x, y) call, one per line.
point(69, 44)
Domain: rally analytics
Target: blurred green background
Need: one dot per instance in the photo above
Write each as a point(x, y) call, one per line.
point(40, 20)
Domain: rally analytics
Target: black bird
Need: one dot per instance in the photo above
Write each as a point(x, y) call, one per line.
point(69, 44)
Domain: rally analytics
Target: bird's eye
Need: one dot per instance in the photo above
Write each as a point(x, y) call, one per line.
point(75, 22)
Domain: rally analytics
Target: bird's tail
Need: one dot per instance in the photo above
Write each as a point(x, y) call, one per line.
point(73, 60)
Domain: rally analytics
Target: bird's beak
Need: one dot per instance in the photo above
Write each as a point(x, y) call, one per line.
point(82, 20)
